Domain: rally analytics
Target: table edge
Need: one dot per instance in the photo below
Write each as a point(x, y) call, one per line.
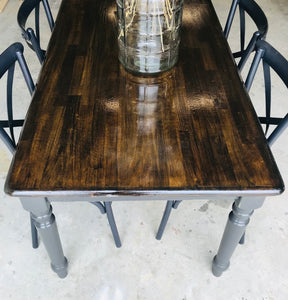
point(138, 193)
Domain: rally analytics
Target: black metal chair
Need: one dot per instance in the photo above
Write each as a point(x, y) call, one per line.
point(33, 37)
point(252, 9)
point(271, 58)
point(8, 59)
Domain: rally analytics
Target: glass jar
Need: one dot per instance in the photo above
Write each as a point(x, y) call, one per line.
point(149, 34)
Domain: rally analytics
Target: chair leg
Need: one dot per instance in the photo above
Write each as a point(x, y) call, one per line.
point(107, 208)
point(112, 223)
point(242, 240)
point(34, 234)
point(170, 204)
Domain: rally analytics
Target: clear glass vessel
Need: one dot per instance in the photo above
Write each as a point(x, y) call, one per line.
point(149, 34)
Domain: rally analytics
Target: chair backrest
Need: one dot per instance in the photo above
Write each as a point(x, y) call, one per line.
point(252, 9)
point(271, 58)
point(32, 36)
point(8, 58)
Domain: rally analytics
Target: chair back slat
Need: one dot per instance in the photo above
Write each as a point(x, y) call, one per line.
point(242, 29)
point(267, 84)
point(10, 103)
point(37, 27)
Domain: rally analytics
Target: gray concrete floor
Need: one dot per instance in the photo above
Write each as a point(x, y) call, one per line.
point(176, 268)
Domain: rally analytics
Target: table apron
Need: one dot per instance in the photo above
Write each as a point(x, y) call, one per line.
point(109, 197)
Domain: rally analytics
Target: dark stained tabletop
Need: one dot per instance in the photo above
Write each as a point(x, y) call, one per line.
point(94, 128)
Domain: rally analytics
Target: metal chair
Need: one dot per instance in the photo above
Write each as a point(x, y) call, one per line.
point(8, 59)
point(271, 58)
point(252, 9)
point(33, 37)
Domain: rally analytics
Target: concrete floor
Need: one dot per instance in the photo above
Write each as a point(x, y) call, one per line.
point(176, 268)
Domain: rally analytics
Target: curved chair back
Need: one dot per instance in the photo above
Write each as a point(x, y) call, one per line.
point(32, 36)
point(8, 58)
point(253, 10)
point(271, 58)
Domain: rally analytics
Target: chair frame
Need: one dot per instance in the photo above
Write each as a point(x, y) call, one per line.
point(7, 64)
point(255, 12)
point(8, 59)
point(271, 58)
point(33, 37)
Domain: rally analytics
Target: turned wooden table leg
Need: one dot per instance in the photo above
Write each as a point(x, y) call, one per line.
point(238, 220)
point(44, 220)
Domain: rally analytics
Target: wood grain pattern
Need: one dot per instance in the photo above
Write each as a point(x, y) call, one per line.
point(92, 126)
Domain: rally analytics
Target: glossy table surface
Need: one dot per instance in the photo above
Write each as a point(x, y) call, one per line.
point(94, 129)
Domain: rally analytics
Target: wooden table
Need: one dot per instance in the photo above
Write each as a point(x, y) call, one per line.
point(94, 130)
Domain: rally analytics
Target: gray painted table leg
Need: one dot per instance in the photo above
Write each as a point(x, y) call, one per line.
point(238, 219)
point(44, 220)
